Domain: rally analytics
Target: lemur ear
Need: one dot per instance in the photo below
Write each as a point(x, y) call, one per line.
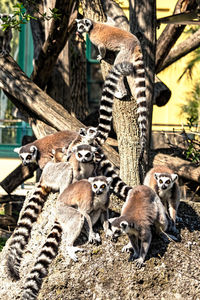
point(33, 149)
point(156, 175)
point(94, 149)
point(124, 225)
point(64, 150)
point(90, 179)
point(109, 180)
point(74, 149)
point(82, 131)
point(174, 177)
point(17, 150)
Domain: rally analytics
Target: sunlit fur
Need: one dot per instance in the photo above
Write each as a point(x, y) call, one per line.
point(142, 209)
point(165, 183)
point(128, 49)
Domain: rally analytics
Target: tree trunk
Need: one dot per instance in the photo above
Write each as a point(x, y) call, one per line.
point(143, 22)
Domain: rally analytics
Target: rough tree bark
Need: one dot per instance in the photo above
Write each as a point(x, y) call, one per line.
point(15, 82)
point(143, 22)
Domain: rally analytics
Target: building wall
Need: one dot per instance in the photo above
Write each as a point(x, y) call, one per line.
point(171, 113)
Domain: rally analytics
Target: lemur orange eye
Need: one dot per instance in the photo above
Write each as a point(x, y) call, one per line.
point(160, 181)
point(79, 155)
point(28, 157)
point(87, 155)
point(103, 186)
point(95, 186)
point(168, 181)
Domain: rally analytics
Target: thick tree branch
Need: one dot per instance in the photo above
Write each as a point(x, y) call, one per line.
point(171, 33)
point(187, 46)
point(15, 82)
point(59, 33)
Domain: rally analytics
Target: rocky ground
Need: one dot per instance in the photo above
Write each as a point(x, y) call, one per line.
point(171, 271)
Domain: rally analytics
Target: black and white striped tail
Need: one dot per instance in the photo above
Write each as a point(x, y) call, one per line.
point(22, 233)
point(40, 270)
point(118, 186)
point(109, 89)
point(141, 100)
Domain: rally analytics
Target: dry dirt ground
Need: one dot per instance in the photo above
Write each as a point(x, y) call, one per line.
point(171, 271)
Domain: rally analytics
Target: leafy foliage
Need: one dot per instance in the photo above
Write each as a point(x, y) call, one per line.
point(192, 106)
point(20, 16)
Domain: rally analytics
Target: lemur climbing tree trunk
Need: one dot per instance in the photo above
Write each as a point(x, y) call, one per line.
point(124, 113)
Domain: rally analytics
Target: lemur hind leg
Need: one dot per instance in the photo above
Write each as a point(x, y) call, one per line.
point(121, 89)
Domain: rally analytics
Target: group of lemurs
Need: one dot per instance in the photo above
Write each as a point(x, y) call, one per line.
point(74, 165)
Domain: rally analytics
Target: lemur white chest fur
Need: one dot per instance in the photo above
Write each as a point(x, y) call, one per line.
point(55, 176)
point(128, 61)
point(142, 209)
point(165, 183)
point(40, 151)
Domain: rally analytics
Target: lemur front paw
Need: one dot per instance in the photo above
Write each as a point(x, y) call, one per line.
point(72, 252)
point(127, 248)
point(94, 238)
point(99, 58)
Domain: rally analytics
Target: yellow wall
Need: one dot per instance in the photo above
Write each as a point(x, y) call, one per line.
point(171, 112)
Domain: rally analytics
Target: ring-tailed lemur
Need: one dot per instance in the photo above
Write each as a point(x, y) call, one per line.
point(165, 183)
point(88, 195)
point(91, 196)
point(128, 48)
point(142, 209)
point(40, 151)
point(55, 177)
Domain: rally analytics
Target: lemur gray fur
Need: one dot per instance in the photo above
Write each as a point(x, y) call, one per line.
point(128, 49)
point(55, 177)
point(165, 183)
point(92, 197)
point(40, 151)
point(142, 209)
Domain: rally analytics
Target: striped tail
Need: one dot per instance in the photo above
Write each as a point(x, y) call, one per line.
point(118, 187)
point(22, 233)
point(141, 100)
point(40, 270)
point(110, 87)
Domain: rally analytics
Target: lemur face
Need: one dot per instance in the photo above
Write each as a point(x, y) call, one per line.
point(165, 181)
point(114, 226)
point(27, 157)
point(100, 184)
point(88, 134)
point(84, 153)
point(83, 25)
